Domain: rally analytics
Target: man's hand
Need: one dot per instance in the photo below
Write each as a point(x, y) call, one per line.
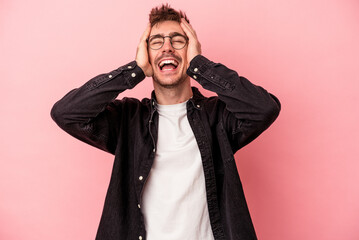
point(142, 58)
point(194, 47)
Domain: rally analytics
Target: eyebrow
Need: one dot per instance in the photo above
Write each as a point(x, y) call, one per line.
point(171, 34)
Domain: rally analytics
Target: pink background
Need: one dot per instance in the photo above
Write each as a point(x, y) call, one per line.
point(300, 177)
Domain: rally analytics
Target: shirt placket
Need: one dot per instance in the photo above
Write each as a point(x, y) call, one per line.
point(208, 168)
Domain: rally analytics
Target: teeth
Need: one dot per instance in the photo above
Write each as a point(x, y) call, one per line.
point(169, 61)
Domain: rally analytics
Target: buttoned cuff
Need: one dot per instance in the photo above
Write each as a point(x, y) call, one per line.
point(203, 71)
point(199, 64)
point(132, 72)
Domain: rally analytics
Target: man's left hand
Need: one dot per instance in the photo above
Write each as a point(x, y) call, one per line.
point(194, 47)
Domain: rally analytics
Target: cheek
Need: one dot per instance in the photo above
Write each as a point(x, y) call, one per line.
point(151, 57)
point(184, 55)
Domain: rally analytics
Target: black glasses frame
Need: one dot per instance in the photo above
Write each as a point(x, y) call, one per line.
point(170, 37)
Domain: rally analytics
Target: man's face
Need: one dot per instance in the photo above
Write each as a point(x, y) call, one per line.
point(168, 75)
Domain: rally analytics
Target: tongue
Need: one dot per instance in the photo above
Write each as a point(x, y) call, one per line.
point(168, 67)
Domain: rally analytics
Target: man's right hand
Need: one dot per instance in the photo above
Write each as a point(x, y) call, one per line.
point(142, 58)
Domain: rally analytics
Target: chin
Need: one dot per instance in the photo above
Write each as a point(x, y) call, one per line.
point(168, 83)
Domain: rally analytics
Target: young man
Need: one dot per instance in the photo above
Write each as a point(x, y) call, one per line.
point(174, 174)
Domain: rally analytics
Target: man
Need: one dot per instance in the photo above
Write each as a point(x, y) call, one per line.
point(174, 174)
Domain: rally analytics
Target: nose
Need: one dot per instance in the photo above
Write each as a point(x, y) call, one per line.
point(167, 46)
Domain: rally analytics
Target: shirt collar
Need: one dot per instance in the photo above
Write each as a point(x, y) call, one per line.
point(196, 99)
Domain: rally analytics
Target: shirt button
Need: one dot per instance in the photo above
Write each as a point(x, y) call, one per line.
point(138, 205)
point(196, 69)
point(129, 67)
point(194, 77)
point(110, 76)
point(198, 106)
point(141, 178)
point(133, 75)
point(154, 150)
point(140, 237)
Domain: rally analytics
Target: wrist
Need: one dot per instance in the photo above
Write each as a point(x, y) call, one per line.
point(147, 70)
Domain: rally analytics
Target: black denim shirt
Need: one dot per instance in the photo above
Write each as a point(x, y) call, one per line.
point(127, 128)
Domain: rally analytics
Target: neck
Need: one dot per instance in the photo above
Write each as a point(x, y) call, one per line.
point(178, 94)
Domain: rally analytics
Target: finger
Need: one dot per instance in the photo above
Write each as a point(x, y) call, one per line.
point(188, 27)
point(188, 33)
point(146, 33)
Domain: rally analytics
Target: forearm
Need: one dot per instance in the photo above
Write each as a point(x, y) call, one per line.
point(244, 99)
point(84, 103)
point(249, 109)
point(84, 112)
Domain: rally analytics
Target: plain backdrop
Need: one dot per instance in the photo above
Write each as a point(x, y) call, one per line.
point(300, 177)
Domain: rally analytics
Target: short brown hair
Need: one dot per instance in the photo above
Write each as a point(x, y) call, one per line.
point(166, 13)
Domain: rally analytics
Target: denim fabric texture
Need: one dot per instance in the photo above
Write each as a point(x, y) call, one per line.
point(127, 128)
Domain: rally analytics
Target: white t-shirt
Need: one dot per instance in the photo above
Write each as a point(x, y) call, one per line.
point(174, 198)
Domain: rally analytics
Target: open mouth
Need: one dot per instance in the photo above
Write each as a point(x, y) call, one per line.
point(168, 64)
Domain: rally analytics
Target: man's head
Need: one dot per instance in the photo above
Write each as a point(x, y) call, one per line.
point(169, 61)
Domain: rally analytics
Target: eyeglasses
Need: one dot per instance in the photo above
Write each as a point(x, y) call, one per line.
point(178, 41)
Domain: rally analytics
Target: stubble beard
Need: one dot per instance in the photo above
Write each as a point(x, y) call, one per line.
point(172, 84)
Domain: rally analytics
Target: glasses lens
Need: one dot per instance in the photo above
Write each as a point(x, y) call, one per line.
point(178, 42)
point(156, 42)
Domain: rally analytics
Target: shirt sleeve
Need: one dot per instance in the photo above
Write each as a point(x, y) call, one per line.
point(89, 112)
point(249, 109)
